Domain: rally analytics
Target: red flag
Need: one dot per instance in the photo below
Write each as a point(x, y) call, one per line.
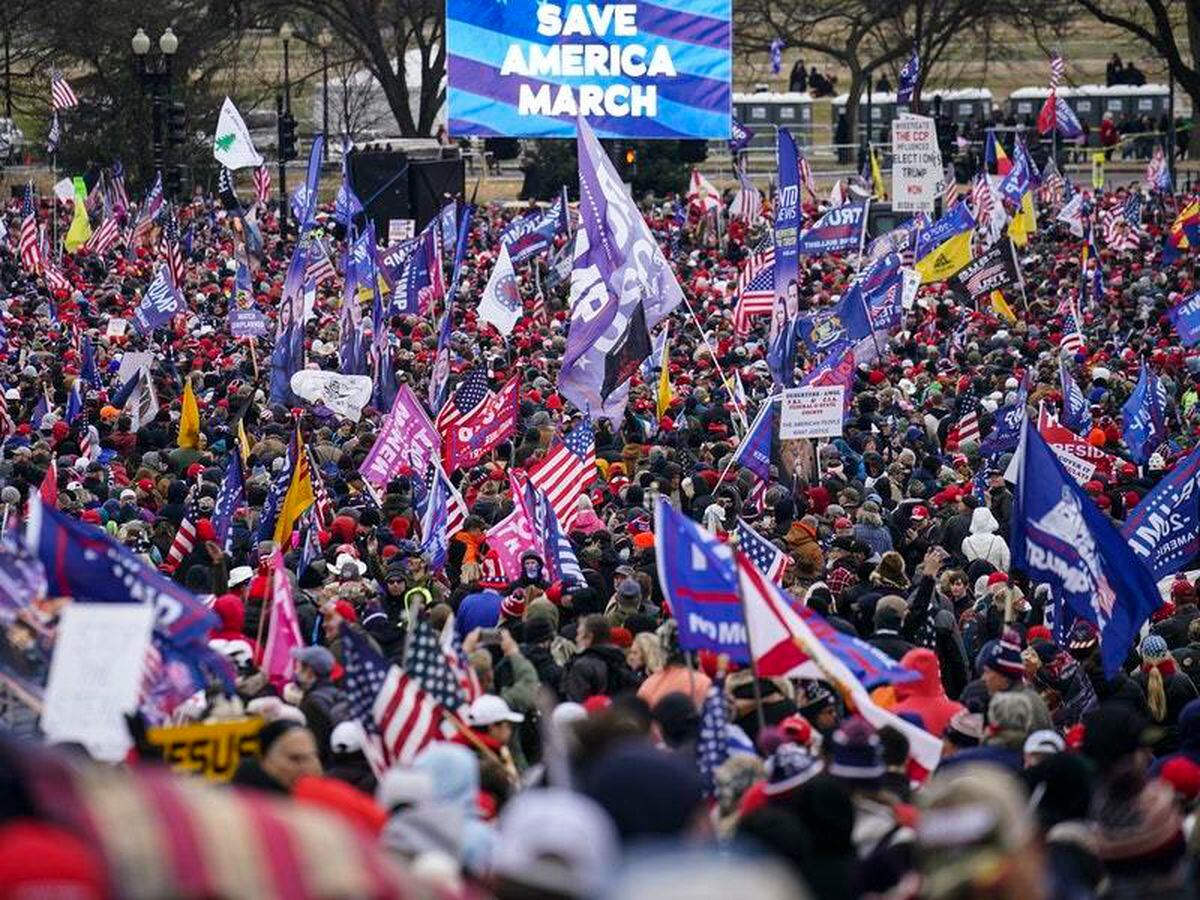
point(49, 488)
point(1047, 119)
point(487, 426)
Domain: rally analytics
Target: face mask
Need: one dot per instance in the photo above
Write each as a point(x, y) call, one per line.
point(531, 569)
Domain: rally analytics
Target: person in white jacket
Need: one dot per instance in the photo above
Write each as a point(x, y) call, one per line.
point(983, 542)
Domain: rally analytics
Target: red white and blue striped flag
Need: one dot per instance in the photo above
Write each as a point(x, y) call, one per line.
point(770, 559)
point(566, 471)
point(61, 95)
point(756, 289)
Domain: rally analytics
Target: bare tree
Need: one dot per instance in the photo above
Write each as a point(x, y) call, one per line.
point(387, 36)
point(1171, 28)
point(23, 59)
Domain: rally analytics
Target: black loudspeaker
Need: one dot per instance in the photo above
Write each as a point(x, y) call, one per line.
point(380, 179)
point(430, 182)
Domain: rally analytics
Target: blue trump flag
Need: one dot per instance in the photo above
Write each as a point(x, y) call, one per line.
point(699, 580)
point(840, 229)
point(84, 563)
point(433, 521)
point(1164, 529)
point(160, 302)
point(529, 235)
point(1006, 432)
point(1143, 416)
point(1061, 538)
point(907, 82)
point(1077, 414)
point(754, 452)
point(231, 495)
point(1185, 316)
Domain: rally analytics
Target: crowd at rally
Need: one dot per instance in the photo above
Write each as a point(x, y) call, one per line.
point(591, 754)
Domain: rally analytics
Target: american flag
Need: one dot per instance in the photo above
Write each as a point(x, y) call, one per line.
point(262, 185)
point(806, 175)
point(1120, 224)
point(981, 198)
point(566, 471)
point(1052, 189)
point(949, 187)
point(770, 559)
point(119, 198)
point(1158, 173)
point(61, 95)
point(185, 537)
point(171, 250)
point(466, 399)
point(748, 202)
point(967, 427)
point(55, 279)
point(1057, 69)
point(400, 718)
point(7, 426)
point(460, 665)
point(319, 268)
point(322, 501)
point(428, 664)
point(1071, 341)
point(105, 237)
point(149, 212)
point(30, 249)
point(756, 289)
point(712, 747)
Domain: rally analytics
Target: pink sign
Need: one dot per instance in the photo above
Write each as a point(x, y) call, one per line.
point(406, 438)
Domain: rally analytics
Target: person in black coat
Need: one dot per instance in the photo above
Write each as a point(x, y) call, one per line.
point(600, 667)
point(889, 619)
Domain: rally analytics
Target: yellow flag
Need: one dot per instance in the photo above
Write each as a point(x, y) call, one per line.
point(243, 441)
point(1024, 223)
point(1000, 305)
point(299, 496)
point(877, 177)
point(189, 419)
point(664, 383)
point(945, 259)
point(81, 228)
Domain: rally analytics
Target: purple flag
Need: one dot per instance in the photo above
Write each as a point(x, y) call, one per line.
point(618, 265)
point(407, 437)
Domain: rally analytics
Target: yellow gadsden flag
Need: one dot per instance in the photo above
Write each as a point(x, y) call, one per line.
point(299, 496)
point(189, 420)
point(1000, 305)
point(81, 228)
point(945, 259)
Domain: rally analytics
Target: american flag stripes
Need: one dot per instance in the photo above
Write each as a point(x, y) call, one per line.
point(61, 95)
point(185, 537)
point(968, 427)
point(770, 559)
point(456, 658)
point(399, 717)
point(1158, 173)
point(1071, 341)
point(55, 279)
point(105, 237)
point(29, 248)
point(949, 187)
point(756, 289)
point(148, 214)
point(806, 175)
point(7, 426)
point(566, 471)
point(119, 198)
point(1057, 69)
point(429, 665)
point(466, 399)
point(171, 251)
point(747, 204)
point(981, 198)
point(323, 504)
point(262, 185)
point(1120, 224)
point(319, 268)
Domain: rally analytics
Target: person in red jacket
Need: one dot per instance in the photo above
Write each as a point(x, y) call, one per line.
point(926, 697)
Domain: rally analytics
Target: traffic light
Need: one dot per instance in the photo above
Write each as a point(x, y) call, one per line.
point(287, 137)
point(176, 123)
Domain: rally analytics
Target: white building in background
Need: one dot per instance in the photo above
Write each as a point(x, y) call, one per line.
point(358, 106)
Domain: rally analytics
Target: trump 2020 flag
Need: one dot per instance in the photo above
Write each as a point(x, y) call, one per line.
point(698, 579)
point(618, 268)
point(159, 304)
point(1077, 414)
point(501, 301)
point(1164, 529)
point(1143, 416)
point(232, 146)
point(1185, 316)
point(529, 235)
point(908, 79)
point(1061, 538)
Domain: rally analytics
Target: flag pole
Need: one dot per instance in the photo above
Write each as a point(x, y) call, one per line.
point(712, 352)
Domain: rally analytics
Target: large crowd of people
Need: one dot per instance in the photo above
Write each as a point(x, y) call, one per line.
point(576, 770)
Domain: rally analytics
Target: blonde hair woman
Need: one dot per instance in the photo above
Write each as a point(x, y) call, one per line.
point(645, 655)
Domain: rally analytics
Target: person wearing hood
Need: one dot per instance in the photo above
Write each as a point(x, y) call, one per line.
point(983, 542)
point(801, 539)
point(232, 612)
point(599, 667)
point(925, 696)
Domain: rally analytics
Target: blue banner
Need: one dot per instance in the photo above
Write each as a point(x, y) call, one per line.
point(528, 68)
point(838, 230)
point(1143, 416)
point(1061, 538)
point(529, 235)
point(838, 327)
point(159, 304)
point(703, 593)
point(1185, 316)
point(781, 342)
point(1077, 414)
point(1164, 529)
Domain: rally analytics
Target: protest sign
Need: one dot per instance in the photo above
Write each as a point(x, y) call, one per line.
point(916, 164)
point(406, 438)
point(401, 230)
point(116, 328)
point(212, 749)
point(529, 68)
point(811, 412)
point(91, 686)
point(244, 323)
